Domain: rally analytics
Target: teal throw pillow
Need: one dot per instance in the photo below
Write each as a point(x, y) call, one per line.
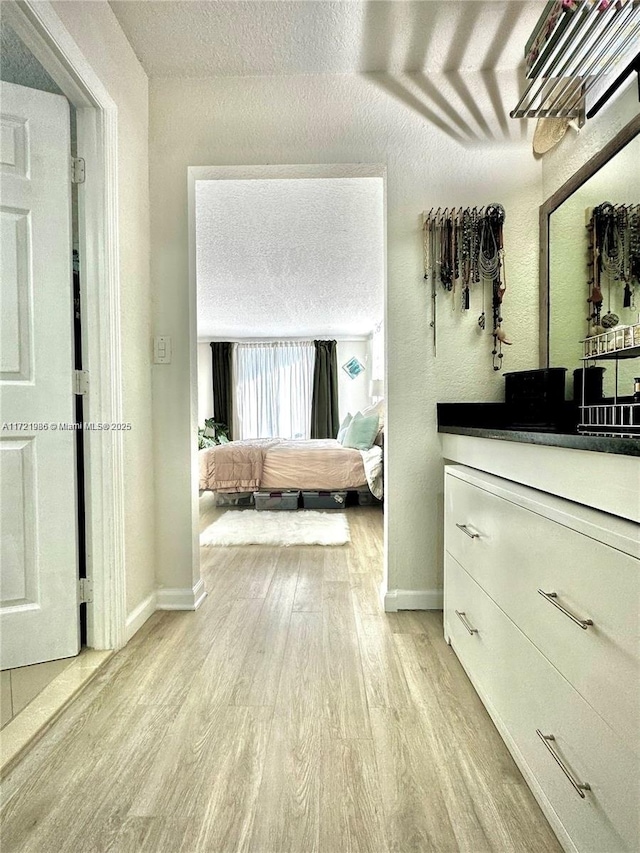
point(361, 432)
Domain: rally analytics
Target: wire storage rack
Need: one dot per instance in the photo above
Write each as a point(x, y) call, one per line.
point(619, 416)
point(577, 56)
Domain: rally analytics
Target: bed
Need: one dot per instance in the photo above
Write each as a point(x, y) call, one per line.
point(279, 464)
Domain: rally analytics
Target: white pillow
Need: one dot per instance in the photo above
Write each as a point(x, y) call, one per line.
point(376, 409)
point(379, 410)
point(344, 426)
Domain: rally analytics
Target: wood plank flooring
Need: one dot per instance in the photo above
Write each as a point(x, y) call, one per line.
point(288, 715)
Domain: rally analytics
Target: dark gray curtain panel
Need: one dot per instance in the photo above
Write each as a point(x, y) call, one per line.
point(222, 391)
point(325, 420)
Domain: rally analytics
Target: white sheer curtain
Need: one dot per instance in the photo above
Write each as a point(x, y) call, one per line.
point(273, 383)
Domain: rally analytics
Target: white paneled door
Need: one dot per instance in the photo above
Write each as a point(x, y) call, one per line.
point(38, 522)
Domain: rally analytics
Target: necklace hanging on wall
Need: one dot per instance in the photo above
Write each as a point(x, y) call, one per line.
point(611, 259)
point(429, 254)
point(456, 248)
point(465, 257)
point(482, 319)
point(633, 269)
point(466, 247)
point(615, 249)
point(492, 269)
point(594, 299)
point(446, 251)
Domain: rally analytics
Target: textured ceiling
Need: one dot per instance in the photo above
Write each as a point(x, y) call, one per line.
point(288, 258)
point(193, 38)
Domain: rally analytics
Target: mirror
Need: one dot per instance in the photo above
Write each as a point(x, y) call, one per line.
point(613, 175)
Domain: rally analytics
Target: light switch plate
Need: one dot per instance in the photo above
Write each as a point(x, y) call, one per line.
point(162, 349)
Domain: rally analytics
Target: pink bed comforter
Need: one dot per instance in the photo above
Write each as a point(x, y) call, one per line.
point(245, 466)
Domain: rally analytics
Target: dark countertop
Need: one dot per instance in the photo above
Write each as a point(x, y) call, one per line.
point(626, 446)
point(491, 420)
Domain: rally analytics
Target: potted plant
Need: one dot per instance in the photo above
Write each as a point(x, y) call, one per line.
point(212, 433)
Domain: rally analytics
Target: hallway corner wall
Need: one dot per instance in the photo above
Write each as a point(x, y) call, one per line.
point(99, 36)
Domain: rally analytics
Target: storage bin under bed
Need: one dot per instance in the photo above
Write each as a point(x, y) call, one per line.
point(231, 499)
point(367, 498)
point(324, 500)
point(276, 500)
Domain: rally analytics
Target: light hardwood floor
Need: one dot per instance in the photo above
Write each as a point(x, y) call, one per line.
point(289, 714)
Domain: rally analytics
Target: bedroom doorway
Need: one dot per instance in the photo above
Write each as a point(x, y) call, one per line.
point(288, 291)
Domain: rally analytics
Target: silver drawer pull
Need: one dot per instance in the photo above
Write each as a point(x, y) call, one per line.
point(462, 616)
point(552, 598)
point(466, 530)
point(580, 787)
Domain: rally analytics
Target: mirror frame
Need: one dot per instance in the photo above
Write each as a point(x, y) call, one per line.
point(628, 132)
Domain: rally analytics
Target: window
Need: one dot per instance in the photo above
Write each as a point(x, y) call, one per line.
point(273, 387)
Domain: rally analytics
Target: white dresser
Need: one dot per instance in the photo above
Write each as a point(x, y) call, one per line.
point(542, 606)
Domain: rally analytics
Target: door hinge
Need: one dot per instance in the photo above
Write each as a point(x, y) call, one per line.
point(81, 382)
point(85, 591)
point(77, 170)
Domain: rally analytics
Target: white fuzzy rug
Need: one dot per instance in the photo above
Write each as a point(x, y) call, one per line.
point(265, 527)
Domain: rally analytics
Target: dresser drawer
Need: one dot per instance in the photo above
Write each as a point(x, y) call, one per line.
point(525, 694)
point(515, 552)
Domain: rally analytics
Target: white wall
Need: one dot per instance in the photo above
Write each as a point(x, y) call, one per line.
point(376, 351)
point(575, 150)
point(353, 119)
point(98, 34)
point(353, 394)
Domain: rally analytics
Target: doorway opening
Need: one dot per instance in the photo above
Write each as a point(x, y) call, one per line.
point(288, 292)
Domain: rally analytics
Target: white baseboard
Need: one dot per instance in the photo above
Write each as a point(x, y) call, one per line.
point(140, 614)
point(182, 599)
point(412, 599)
point(199, 594)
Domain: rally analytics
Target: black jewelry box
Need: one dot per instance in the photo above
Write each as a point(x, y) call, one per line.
point(535, 398)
